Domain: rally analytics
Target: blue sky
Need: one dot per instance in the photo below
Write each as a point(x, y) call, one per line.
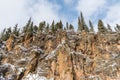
point(19, 11)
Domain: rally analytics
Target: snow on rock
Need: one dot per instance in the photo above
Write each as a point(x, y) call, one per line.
point(53, 53)
point(7, 65)
point(35, 77)
point(22, 48)
point(36, 49)
point(20, 70)
point(70, 55)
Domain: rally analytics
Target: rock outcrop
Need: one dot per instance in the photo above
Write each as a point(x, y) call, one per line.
point(66, 55)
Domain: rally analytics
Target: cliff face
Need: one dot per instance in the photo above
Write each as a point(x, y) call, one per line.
point(66, 55)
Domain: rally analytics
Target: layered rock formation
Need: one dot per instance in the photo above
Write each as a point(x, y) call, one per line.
point(66, 55)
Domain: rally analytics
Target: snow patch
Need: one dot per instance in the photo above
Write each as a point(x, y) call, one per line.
point(20, 70)
point(36, 77)
point(9, 65)
point(51, 55)
point(22, 48)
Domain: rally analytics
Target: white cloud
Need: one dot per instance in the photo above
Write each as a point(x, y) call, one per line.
point(44, 11)
point(11, 12)
point(113, 15)
point(19, 11)
point(92, 8)
point(89, 7)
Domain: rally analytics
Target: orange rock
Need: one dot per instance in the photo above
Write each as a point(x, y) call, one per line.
point(10, 43)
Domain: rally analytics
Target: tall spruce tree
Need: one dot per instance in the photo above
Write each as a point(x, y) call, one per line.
point(26, 27)
point(67, 25)
point(71, 27)
point(47, 28)
point(7, 33)
point(41, 26)
point(30, 28)
point(91, 26)
point(16, 31)
point(53, 27)
point(86, 28)
point(117, 28)
point(60, 25)
point(101, 27)
point(109, 28)
point(3, 35)
point(81, 23)
point(35, 28)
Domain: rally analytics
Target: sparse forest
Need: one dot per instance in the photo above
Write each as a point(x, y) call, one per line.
point(54, 27)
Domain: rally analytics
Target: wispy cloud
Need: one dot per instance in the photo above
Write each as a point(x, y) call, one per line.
point(12, 12)
point(44, 11)
point(106, 10)
point(89, 7)
point(19, 11)
point(113, 15)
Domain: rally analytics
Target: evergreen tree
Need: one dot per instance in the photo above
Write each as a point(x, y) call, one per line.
point(56, 26)
point(16, 31)
point(82, 21)
point(60, 25)
point(81, 24)
point(65, 28)
point(30, 27)
point(3, 37)
point(109, 28)
point(47, 28)
point(86, 28)
point(28, 24)
point(118, 27)
point(91, 26)
point(26, 27)
point(71, 27)
point(42, 26)
point(35, 28)
point(53, 27)
point(101, 27)
point(67, 25)
point(7, 33)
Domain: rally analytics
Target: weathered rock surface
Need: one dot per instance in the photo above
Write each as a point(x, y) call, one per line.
point(61, 56)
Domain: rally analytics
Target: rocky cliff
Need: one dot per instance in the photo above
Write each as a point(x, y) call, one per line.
point(66, 55)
